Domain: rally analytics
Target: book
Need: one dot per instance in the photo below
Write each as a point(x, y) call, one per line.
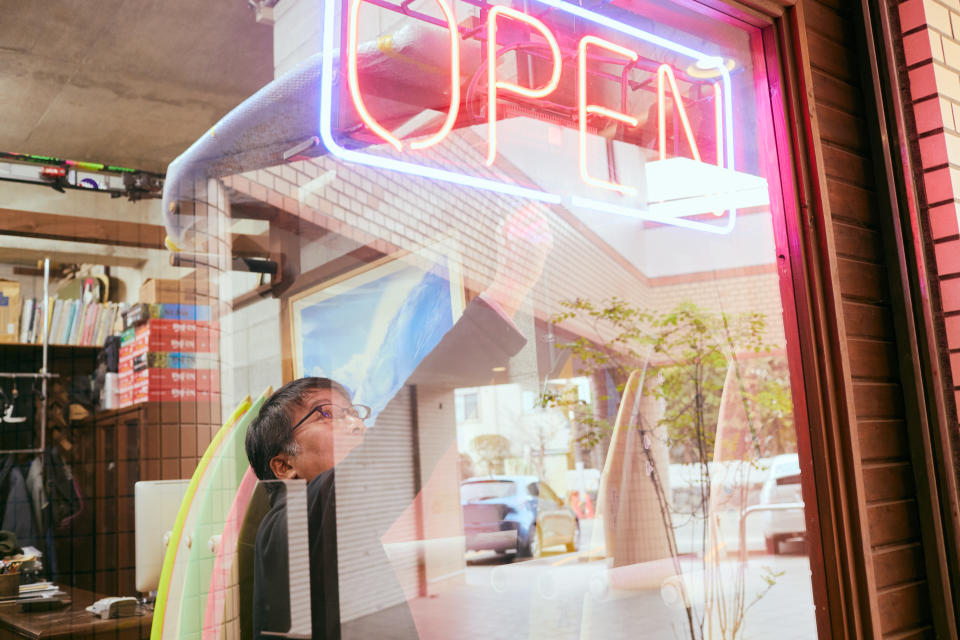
point(46, 327)
point(26, 322)
point(56, 320)
point(74, 313)
point(102, 310)
point(75, 310)
point(66, 323)
point(88, 325)
point(26, 316)
point(37, 321)
point(100, 334)
point(34, 312)
point(78, 323)
point(89, 320)
point(66, 319)
point(83, 311)
point(39, 316)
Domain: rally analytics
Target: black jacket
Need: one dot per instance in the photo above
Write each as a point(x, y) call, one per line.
point(480, 340)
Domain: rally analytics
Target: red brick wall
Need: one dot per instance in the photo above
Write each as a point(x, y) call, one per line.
point(931, 45)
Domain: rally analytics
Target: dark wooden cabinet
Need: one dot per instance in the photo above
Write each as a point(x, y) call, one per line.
point(110, 452)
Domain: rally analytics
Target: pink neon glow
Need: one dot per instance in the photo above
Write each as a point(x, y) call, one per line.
point(332, 10)
point(353, 80)
point(585, 109)
point(664, 71)
point(454, 81)
point(493, 85)
point(718, 114)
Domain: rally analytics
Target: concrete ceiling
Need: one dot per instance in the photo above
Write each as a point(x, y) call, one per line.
point(124, 82)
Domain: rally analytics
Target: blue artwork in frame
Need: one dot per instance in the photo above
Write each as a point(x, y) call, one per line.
point(369, 329)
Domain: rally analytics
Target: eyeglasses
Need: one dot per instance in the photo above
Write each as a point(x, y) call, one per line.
point(331, 412)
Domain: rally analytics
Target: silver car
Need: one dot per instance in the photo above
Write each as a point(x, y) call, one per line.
point(782, 486)
point(502, 513)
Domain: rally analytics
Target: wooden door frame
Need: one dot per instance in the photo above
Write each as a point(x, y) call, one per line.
point(925, 380)
point(843, 583)
point(843, 580)
point(845, 590)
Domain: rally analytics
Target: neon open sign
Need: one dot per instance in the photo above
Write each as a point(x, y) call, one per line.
point(686, 186)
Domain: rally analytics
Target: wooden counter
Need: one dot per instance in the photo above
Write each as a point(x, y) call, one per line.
point(72, 622)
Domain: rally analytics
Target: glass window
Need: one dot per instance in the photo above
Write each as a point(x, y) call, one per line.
point(467, 406)
point(538, 242)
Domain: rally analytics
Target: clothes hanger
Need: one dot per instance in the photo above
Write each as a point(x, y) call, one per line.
point(8, 412)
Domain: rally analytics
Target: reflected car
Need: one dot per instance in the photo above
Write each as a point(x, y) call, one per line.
point(781, 486)
point(504, 513)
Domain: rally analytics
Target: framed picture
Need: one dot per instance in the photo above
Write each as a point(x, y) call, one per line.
point(368, 329)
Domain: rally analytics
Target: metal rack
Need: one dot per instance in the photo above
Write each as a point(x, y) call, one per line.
point(43, 375)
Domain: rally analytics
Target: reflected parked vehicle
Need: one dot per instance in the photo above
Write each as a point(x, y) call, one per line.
point(502, 513)
point(781, 486)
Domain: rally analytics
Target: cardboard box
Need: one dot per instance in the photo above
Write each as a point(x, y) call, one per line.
point(169, 361)
point(9, 311)
point(178, 360)
point(166, 291)
point(165, 336)
point(140, 313)
point(168, 385)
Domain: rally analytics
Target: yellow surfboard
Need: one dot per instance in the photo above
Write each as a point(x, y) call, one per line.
point(167, 610)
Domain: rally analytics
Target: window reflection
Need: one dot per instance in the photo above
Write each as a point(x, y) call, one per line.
point(581, 416)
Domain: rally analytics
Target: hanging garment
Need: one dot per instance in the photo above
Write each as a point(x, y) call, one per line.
point(7, 464)
point(36, 491)
point(62, 489)
point(18, 513)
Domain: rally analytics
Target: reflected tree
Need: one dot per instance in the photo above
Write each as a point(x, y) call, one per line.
point(711, 372)
point(492, 451)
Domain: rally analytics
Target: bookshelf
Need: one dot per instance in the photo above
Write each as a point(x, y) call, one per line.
point(70, 321)
point(52, 345)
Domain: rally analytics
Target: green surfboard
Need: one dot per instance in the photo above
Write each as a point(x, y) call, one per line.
point(188, 563)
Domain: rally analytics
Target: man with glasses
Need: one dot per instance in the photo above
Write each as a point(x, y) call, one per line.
point(310, 426)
